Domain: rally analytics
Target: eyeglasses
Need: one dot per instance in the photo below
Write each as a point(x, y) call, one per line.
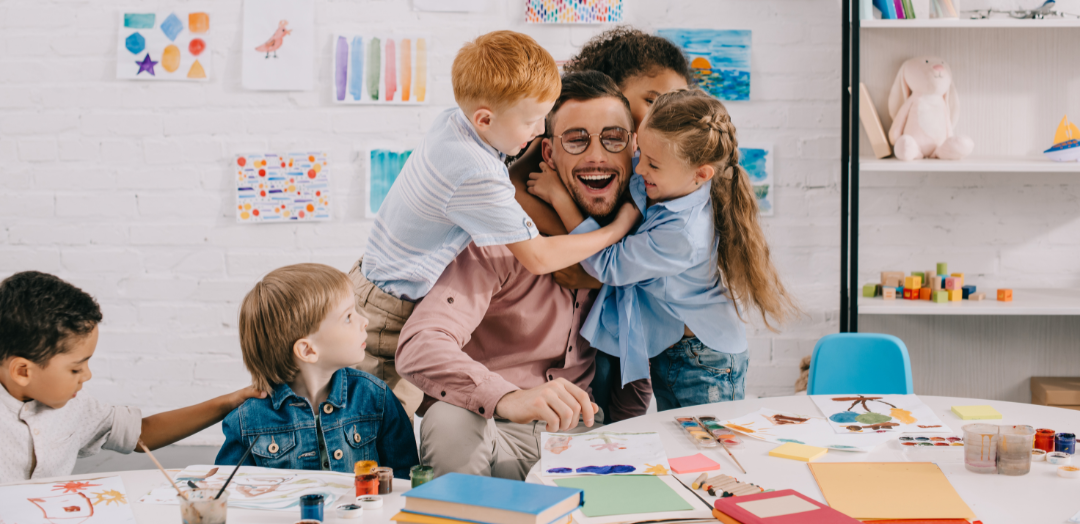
point(576, 141)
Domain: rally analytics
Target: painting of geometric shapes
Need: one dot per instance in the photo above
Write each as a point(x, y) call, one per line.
point(719, 59)
point(878, 413)
point(573, 11)
point(282, 188)
point(164, 45)
point(757, 160)
point(373, 70)
point(602, 453)
point(88, 501)
point(260, 488)
point(278, 45)
point(384, 165)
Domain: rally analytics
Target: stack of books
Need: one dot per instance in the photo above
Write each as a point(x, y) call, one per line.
point(456, 498)
point(912, 9)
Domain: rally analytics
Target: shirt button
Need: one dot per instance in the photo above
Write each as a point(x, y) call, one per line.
point(272, 448)
point(528, 223)
point(443, 394)
point(338, 454)
point(570, 349)
point(550, 377)
point(37, 432)
point(481, 410)
point(328, 409)
point(450, 300)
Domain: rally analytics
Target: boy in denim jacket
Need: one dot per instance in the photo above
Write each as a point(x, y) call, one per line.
point(299, 334)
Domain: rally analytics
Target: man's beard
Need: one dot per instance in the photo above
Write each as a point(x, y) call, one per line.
point(595, 206)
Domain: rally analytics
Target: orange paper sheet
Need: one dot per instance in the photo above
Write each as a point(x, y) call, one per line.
point(889, 490)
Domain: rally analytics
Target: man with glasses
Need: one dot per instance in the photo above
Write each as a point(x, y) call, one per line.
point(496, 349)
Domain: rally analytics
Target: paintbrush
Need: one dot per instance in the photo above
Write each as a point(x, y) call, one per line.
point(730, 455)
point(691, 491)
point(237, 468)
point(158, 464)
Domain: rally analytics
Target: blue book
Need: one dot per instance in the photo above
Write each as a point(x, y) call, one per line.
point(487, 500)
point(887, 8)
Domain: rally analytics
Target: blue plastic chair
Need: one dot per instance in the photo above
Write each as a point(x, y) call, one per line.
point(860, 363)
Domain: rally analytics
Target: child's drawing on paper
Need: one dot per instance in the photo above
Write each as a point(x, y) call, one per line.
point(163, 46)
point(100, 500)
point(262, 488)
point(719, 59)
point(372, 69)
point(384, 166)
point(877, 413)
point(757, 160)
point(573, 12)
point(282, 188)
point(778, 427)
point(603, 453)
point(275, 41)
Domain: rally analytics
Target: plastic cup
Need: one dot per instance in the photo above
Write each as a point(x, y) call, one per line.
point(981, 447)
point(201, 508)
point(1014, 450)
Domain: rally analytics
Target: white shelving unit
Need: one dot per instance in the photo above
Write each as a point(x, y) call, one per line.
point(1002, 164)
point(1040, 302)
point(986, 23)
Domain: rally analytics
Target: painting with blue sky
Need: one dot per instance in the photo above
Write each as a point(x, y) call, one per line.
point(719, 59)
point(384, 165)
point(757, 160)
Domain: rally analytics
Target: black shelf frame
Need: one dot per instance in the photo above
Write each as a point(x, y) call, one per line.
point(849, 170)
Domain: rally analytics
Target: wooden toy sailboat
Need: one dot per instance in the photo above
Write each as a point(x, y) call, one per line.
point(1066, 143)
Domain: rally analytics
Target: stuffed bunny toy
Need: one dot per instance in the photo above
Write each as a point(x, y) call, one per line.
point(925, 108)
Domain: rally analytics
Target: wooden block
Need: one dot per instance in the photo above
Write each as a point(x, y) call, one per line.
point(909, 282)
point(891, 282)
point(956, 295)
point(952, 283)
point(942, 268)
point(941, 296)
point(935, 283)
point(928, 277)
point(868, 290)
point(977, 296)
point(919, 274)
point(888, 293)
point(887, 275)
point(968, 290)
point(960, 276)
point(1005, 295)
point(907, 293)
point(925, 293)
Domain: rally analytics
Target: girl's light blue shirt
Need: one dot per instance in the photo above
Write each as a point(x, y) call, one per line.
point(657, 279)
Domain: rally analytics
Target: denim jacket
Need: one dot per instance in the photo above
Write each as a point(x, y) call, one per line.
point(361, 419)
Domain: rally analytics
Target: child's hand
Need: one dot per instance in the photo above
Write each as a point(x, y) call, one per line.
point(240, 396)
point(546, 185)
point(628, 216)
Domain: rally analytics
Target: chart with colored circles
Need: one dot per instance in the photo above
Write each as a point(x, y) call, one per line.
point(163, 45)
point(272, 187)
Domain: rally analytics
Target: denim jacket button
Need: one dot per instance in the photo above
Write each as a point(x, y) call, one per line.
point(272, 448)
point(338, 454)
point(328, 409)
point(356, 437)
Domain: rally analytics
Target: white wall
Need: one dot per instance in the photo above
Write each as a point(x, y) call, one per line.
point(123, 187)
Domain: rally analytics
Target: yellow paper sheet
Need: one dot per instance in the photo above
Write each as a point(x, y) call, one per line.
point(889, 490)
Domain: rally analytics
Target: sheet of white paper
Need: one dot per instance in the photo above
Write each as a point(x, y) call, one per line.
point(450, 6)
point(278, 45)
point(602, 453)
point(779, 427)
point(261, 488)
point(379, 69)
point(852, 413)
point(163, 45)
point(89, 501)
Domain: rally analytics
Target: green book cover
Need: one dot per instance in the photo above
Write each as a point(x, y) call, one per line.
point(909, 11)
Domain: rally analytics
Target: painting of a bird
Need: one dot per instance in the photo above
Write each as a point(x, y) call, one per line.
point(275, 41)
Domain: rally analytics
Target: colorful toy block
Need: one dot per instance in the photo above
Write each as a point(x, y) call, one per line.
point(907, 293)
point(968, 290)
point(887, 275)
point(892, 282)
point(927, 277)
point(877, 290)
point(924, 293)
point(977, 296)
point(1005, 295)
point(868, 290)
point(952, 283)
point(913, 282)
point(960, 276)
point(942, 268)
point(919, 274)
point(935, 283)
point(888, 293)
point(941, 296)
point(956, 295)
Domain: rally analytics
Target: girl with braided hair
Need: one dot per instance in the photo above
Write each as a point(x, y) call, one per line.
point(675, 290)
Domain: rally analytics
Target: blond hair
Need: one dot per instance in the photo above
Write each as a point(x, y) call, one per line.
point(502, 67)
point(700, 129)
point(287, 305)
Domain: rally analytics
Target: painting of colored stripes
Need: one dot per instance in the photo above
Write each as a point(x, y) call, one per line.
point(371, 69)
point(573, 11)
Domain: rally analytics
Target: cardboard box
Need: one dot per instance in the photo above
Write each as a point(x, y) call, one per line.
point(1058, 392)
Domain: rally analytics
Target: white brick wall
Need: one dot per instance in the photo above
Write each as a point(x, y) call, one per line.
point(122, 187)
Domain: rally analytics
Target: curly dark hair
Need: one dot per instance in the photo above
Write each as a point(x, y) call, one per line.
point(40, 313)
point(625, 52)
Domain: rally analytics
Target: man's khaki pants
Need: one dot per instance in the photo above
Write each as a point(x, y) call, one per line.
point(454, 439)
point(386, 315)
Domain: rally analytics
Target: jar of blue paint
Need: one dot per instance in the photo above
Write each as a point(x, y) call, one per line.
point(311, 507)
point(1065, 442)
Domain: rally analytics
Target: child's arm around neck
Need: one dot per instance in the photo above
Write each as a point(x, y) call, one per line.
point(165, 428)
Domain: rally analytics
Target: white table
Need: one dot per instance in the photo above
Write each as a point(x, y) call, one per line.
point(1038, 497)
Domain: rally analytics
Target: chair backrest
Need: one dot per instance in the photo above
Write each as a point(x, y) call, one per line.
point(863, 363)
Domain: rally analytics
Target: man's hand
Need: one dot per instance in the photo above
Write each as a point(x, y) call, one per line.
point(546, 185)
point(559, 403)
point(574, 277)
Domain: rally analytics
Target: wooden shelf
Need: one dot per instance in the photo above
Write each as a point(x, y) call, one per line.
point(970, 165)
point(987, 23)
point(1036, 302)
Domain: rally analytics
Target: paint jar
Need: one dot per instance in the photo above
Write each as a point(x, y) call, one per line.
point(1044, 439)
point(367, 485)
point(311, 507)
point(1065, 443)
point(200, 506)
point(980, 448)
point(386, 480)
point(421, 475)
point(365, 467)
point(1014, 450)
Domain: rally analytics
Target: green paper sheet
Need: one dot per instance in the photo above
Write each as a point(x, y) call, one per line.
point(625, 495)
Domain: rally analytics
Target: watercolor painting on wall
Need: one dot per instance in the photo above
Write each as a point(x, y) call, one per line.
point(779, 428)
point(87, 501)
point(260, 488)
point(163, 45)
point(719, 59)
point(384, 165)
point(890, 413)
point(573, 11)
point(278, 45)
point(602, 453)
point(373, 70)
point(757, 160)
point(281, 188)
